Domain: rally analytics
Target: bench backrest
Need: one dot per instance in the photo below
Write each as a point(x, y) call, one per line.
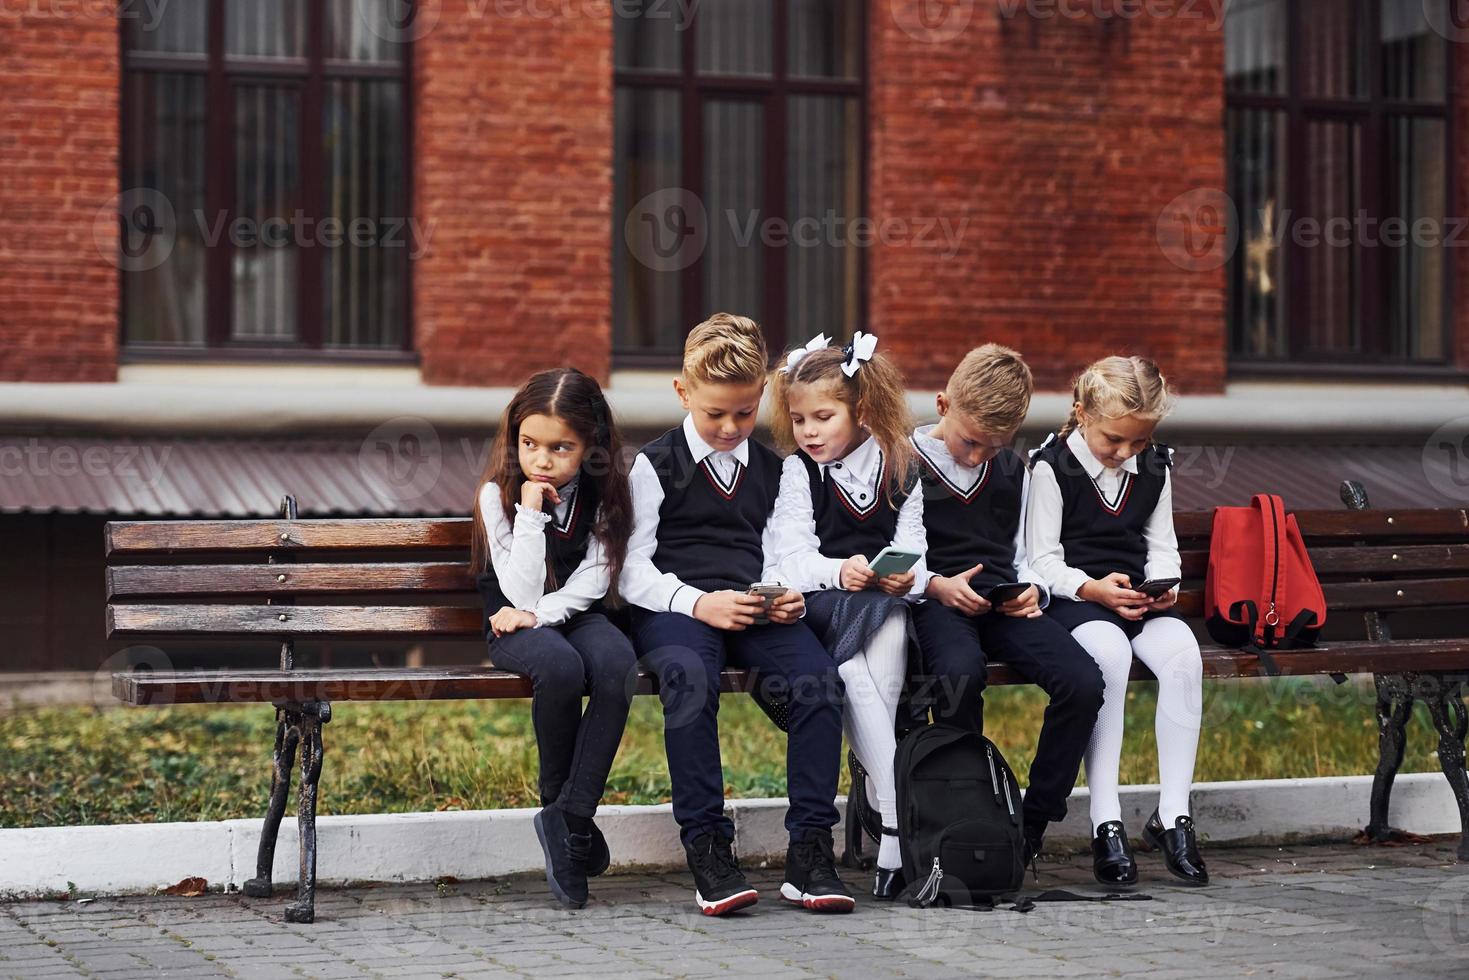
point(409, 577)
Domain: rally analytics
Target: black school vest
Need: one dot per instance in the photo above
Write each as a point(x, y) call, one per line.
point(566, 547)
point(846, 526)
point(709, 532)
point(975, 524)
point(1101, 536)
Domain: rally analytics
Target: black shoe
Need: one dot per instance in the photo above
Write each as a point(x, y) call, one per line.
point(719, 885)
point(1112, 860)
point(566, 857)
point(599, 858)
point(1180, 848)
point(811, 876)
point(888, 883)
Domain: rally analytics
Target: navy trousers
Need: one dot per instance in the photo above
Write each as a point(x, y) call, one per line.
point(788, 665)
point(955, 650)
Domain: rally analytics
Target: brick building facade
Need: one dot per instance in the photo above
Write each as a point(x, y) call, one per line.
point(1054, 142)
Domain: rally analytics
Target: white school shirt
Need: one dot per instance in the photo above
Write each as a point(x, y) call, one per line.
point(799, 561)
point(641, 583)
point(960, 475)
point(1043, 521)
point(518, 555)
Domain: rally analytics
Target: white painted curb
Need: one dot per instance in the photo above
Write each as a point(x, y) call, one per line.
point(135, 858)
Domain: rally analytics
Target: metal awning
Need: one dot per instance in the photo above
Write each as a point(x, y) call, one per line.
point(407, 472)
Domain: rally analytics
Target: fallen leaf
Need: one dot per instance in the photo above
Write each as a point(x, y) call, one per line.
point(188, 888)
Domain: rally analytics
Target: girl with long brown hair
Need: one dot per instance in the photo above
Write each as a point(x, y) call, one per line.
point(847, 491)
point(551, 520)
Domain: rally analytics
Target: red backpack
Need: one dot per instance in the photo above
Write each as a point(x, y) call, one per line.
point(1261, 592)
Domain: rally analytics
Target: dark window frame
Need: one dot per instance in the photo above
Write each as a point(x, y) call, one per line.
point(1372, 112)
point(695, 89)
point(219, 170)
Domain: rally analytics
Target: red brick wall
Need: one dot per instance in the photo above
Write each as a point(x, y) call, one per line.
point(58, 170)
point(513, 174)
point(1062, 144)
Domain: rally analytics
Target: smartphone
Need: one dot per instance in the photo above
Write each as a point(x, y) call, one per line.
point(1153, 588)
point(1006, 592)
point(891, 561)
point(769, 591)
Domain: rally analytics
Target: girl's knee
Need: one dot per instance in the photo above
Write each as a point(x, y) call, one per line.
point(1109, 649)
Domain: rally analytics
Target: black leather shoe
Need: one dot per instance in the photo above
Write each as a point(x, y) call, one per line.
point(1180, 848)
point(1112, 860)
point(566, 857)
point(888, 883)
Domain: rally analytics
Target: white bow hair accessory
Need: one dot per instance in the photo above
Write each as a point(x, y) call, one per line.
point(858, 351)
point(820, 342)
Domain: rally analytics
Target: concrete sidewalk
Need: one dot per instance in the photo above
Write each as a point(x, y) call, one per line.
point(1299, 912)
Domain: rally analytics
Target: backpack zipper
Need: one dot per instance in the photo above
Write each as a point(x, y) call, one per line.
point(989, 751)
point(930, 889)
point(1272, 618)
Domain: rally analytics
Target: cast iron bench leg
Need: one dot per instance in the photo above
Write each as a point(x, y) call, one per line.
point(1394, 708)
point(1446, 706)
point(287, 734)
point(313, 716)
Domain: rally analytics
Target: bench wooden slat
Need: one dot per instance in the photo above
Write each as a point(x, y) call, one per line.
point(375, 533)
point(1365, 560)
point(437, 683)
point(300, 578)
point(137, 619)
point(402, 534)
point(1365, 524)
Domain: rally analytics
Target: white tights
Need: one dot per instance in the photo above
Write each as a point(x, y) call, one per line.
point(1168, 648)
point(874, 681)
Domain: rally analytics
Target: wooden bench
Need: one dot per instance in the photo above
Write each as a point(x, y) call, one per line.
point(287, 578)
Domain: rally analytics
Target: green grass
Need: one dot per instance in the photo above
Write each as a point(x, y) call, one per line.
point(67, 766)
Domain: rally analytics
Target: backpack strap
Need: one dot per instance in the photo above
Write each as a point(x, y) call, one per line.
point(1247, 610)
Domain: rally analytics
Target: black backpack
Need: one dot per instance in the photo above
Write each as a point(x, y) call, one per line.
point(959, 820)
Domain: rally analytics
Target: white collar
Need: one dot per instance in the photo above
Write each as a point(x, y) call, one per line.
point(861, 464)
point(1089, 462)
point(935, 449)
point(700, 449)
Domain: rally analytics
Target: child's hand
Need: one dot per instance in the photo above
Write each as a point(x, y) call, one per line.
point(510, 619)
point(1027, 605)
point(533, 493)
point(955, 592)
point(728, 610)
point(899, 584)
point(856, 575)
point(787, 608)
point(1116, 593)
point(1165, 600)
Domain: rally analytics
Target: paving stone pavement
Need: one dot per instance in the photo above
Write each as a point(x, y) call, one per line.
point(1321, 911)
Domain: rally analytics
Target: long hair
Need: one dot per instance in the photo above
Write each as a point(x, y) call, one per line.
point(1117, 386)
point(577, 400)
point(874, 395)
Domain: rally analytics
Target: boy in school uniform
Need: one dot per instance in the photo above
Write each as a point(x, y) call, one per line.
point(975, 489)
point(702, 495)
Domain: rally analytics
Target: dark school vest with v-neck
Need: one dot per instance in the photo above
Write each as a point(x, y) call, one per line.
point(974, 524)
point(566, 547)
point(709, 531)
point(847, 526)
point(1100, 535)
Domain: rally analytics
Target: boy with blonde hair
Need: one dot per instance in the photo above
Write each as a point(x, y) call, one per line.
point(975, 489)
point(702, 495)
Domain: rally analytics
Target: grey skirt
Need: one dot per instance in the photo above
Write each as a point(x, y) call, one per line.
point(845, 621)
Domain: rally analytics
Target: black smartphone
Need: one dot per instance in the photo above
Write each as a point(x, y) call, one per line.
point(1006, 592)
point(1153, 588)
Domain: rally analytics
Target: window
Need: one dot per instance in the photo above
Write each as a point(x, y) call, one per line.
point(267, 141)
point(738, 169)
point(1338, 136)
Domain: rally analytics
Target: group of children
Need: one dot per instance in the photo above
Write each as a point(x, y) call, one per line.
point(713, 550)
